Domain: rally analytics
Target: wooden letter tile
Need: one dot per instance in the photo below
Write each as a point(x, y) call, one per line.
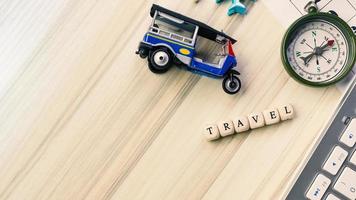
point(211, 132)
point(271, 116)
point(226, 128)
point(286, 112)
point(241, 124)
point(256, 120)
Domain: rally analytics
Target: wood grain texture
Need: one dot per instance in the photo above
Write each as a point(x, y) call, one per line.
point(82, 117)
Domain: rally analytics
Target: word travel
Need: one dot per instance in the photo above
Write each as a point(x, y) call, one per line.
point(244, 123)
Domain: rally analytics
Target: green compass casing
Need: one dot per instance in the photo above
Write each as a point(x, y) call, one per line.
point(318, 49)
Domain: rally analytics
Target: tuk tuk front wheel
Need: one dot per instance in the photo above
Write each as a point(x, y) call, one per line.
point(231, 84)
point(160, 60)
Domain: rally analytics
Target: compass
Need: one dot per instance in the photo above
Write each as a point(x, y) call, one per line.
point(319, 49)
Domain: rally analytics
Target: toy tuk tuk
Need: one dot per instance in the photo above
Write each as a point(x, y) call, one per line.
point(174, 38)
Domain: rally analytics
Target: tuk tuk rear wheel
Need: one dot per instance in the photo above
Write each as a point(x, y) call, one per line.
point(160, 60)
point(231, 84)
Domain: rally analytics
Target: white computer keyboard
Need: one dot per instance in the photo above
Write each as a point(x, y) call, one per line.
point(330, 173)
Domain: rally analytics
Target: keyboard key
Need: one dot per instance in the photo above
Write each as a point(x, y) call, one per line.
point(346, 183)
point(318, 187)
point(353, 159)
point(349, 136)
point(332, 197)
point(335, 160)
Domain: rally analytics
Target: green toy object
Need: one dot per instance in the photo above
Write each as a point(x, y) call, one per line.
point(237, 6)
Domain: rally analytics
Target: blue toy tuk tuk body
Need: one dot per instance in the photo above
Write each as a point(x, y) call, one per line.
point(174, 38)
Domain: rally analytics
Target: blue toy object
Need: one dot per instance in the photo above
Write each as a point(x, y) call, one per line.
point(236, 7)
point(173, 38)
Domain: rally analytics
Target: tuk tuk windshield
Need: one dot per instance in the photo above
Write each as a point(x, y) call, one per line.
point(174, 28)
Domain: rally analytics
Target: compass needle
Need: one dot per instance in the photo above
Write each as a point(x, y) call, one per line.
point(322, 43)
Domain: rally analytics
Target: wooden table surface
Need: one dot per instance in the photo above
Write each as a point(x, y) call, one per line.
point(82, 117)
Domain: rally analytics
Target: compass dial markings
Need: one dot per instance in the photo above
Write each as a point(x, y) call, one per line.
point(328, 52)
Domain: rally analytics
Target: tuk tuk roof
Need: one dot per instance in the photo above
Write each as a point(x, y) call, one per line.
point(204, 30)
